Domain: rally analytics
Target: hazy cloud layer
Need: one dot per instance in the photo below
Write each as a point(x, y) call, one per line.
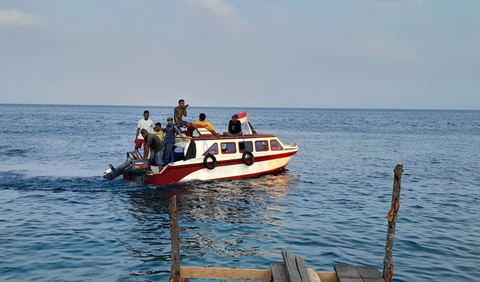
point(15, 18)
point(366, 54)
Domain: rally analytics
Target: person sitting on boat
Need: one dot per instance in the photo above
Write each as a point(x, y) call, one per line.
point(170, 131)
point(180, 112)
point(144, 123)
point(159, 131)
point(234, 127)
point(155, 144)
point(201, 121)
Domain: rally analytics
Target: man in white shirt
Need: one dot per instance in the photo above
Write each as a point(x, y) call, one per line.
point(146, 123)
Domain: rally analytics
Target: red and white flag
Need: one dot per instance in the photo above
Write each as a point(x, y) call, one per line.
point(242, 117)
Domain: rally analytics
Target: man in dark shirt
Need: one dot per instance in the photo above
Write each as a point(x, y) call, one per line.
point(234, 127)
point(152, 142)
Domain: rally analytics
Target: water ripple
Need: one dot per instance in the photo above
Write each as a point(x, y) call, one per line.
point(63, 222)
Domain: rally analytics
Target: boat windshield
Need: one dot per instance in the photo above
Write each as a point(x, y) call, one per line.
point(287, 142)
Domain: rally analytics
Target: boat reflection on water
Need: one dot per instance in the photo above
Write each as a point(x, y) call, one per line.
point(227, 218)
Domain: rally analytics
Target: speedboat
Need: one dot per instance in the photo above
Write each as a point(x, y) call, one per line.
point(205, 156)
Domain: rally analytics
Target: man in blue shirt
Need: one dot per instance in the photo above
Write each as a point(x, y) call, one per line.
point(170, 131)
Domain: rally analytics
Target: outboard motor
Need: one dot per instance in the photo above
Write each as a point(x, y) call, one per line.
point(134, 164)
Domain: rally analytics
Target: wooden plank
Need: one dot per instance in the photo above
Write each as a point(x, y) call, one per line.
point(374, 280)
point(240, 274)
point(226, 273)
point(279, 274)
point(291, 267)
point(302, 269)
point(346, 271)
point(328, 276)
point(175, 240)
point(296, 269)
point(369, 272)
point(312, 274)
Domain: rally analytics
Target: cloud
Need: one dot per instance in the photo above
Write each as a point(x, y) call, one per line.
point(416, 3)
point(375, 6)
point(219, 7)
point(370, 44)
point(398, 3)
point(15, 18)
point(388, 4)
point(222, 9)
point(382, 49)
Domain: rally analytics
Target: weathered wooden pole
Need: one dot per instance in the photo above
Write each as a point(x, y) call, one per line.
point(392, 221)
point(175, 241)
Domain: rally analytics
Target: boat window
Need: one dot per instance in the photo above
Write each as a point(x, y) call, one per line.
point(178, 154)
point(245, 146)
point(228, 148)
point(212, 150)
point(261, 146)
point(191, 151)
point(275, 145)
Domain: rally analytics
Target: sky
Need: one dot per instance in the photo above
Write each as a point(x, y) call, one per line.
point(389, 54)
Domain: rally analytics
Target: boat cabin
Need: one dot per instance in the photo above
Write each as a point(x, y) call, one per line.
point(204, 143)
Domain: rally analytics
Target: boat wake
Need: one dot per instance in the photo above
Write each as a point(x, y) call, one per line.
point(49, 170)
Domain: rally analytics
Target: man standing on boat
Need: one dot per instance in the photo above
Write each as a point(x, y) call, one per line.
point(179, 113)
point(144, 123)
point(170, 131)
point(152, 142)
point(234, 127)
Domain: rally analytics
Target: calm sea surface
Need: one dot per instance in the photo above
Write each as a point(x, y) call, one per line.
point(61, 221)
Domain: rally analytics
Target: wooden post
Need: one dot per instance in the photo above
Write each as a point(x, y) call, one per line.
point(392, 221)
point(174, 234)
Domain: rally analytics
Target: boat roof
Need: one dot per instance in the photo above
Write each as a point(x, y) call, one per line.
point(204, 133)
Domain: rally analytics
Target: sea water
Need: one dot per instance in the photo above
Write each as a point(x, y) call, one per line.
point(61, 221)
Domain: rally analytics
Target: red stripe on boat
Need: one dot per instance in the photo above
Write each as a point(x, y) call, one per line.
point(173, 174)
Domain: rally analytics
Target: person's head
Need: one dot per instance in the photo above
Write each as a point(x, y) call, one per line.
point(144, 133)
point(234, 117)
point(157, 126)
point(169, 120)
point(202, 117)
point(181, 103)
point(146, 114)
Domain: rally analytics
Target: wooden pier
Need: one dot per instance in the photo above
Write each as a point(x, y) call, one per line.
point(293, 268)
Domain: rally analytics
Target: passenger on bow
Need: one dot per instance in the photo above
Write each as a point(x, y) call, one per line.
point(234, 127)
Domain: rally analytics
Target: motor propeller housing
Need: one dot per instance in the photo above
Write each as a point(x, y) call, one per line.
point(134, 163)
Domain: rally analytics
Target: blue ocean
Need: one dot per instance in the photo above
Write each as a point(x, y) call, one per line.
point(61, 221)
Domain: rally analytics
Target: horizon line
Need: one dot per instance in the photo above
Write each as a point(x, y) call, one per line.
point(254, 107)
